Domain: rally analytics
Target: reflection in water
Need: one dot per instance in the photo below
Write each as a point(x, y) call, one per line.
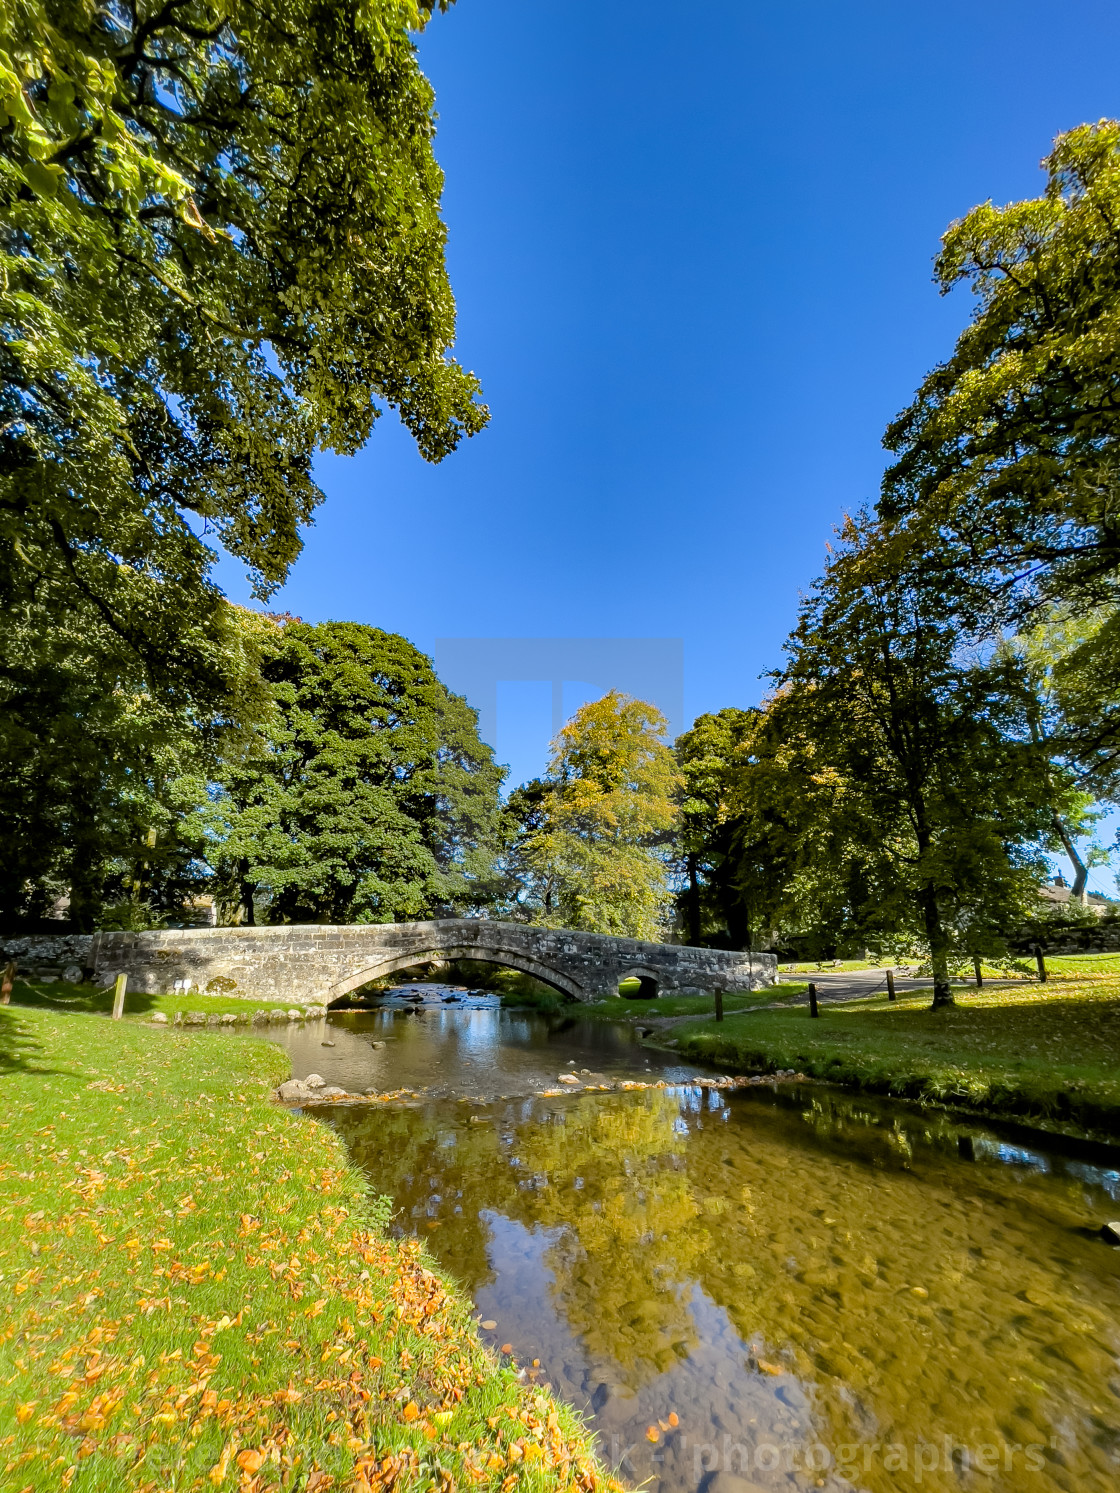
point(824, 1291)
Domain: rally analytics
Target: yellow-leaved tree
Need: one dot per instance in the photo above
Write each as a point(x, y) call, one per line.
point(596, 844)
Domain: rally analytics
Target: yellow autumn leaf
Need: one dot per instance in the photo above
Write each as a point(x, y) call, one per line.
point(23, 1412)
point(221, 1466)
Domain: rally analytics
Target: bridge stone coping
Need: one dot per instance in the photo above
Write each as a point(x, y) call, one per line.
point(321, 964)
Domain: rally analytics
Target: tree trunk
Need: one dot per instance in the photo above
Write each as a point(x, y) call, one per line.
point(1078, 892)
point(692, 903)
point(938, 950)
point(85, 863)
point(246, 892)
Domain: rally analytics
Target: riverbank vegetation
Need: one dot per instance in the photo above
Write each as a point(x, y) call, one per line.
point(1044, 1054)
point(200, 1293)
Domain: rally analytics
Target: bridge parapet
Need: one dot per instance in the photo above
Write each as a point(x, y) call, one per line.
point(312, 962)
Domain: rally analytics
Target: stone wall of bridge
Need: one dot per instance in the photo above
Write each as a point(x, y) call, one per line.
point(311, 963)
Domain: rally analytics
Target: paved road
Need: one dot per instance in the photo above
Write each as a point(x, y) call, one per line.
point(851, 985)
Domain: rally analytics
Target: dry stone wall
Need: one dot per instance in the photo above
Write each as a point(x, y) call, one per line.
point(49, 956)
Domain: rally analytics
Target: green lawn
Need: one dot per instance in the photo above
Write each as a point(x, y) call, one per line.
point(1049, 1053)
point(199, 1293)
point(618, 1008)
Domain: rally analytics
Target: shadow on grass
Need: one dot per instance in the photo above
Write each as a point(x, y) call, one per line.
point(18, 1046)
point(60, 996)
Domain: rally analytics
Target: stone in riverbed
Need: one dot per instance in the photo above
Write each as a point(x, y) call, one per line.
point(293, 1090)
point(728, 1482)
point(314, 1081)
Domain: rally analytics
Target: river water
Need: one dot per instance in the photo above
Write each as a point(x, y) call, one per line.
point(786, 1287)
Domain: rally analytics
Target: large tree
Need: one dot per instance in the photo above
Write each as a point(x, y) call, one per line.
point(735, 835)
point(920, 800)
point(1010, 450)
point(594, 844)
point(99, 772)
point(220, 251)
point(372, 798)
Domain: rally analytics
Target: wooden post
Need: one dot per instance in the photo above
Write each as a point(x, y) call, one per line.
point(1040, 959)
point(813, 1011)
point(719, 1005)
point(118, 996)
point(976, 967)
point(7, 980)
point(890, 984)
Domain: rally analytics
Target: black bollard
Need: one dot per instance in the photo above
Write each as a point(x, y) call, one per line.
point(719, 1005)
point(1040, 959)
point(813, 1000)
point(976, 967)
point(890, 984)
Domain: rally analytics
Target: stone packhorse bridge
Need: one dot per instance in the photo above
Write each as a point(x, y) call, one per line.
point(318, 964)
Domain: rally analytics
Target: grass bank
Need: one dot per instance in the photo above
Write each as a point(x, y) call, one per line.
point(1047, 1053)
point(200, 1293)
point(57, 995)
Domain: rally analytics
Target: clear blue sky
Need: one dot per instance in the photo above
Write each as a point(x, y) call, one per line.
point(692, 254)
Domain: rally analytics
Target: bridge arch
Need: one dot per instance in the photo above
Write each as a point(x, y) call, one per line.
point(507, 959)
point(649, 982)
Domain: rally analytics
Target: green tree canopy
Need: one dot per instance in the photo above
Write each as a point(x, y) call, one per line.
point(1014, 442)
point(221, 247)
point(594, 846)
point(1010, 452)
point(737, 834)
point(220, 250)
point(373, 799)
point(99, 774)
point(920, 801)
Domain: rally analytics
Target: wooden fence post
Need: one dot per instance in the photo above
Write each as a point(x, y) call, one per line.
point(719, 1005)
point(976, 967)
point(813, 1011)
point(7, 980)
point(890, 984)
point(118, 996)
point(1040, 959)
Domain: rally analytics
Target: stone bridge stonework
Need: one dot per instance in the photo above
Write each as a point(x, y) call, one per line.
point(311, 963)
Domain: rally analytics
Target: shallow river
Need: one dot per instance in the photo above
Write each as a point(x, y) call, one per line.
point(785, 1287)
